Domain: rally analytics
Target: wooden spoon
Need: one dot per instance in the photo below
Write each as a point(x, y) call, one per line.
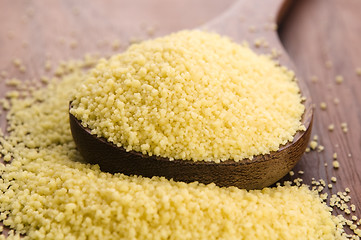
point(243, 21)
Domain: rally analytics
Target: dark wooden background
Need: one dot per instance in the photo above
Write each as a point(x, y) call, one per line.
point(322, 37)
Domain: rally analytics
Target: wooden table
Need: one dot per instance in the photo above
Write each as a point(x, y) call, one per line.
point(321, 37)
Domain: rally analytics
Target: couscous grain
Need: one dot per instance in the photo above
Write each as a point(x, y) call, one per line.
point(339, 79)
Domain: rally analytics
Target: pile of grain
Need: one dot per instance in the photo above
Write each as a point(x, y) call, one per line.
point(191, 95)
point(48, 193)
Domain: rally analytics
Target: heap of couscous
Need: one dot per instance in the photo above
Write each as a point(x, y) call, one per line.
point(191, 95)
point(48, 193)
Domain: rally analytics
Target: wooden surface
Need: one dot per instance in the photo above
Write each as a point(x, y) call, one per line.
point(315, 32)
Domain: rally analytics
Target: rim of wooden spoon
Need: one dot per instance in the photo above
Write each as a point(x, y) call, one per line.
point(261, 171)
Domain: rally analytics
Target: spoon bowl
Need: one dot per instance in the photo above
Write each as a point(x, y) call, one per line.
point(261, 171)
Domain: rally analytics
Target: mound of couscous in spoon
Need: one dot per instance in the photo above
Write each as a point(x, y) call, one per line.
point(191, 95)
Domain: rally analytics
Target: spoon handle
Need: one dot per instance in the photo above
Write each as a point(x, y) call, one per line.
point(254, 21)
point(252, 18)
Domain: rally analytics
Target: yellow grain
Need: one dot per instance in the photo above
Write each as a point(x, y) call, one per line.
point(335, 164)
point(323, 106)
point(339, 79)
point(313, 144)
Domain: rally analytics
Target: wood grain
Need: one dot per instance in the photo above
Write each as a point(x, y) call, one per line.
point(314, 33)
